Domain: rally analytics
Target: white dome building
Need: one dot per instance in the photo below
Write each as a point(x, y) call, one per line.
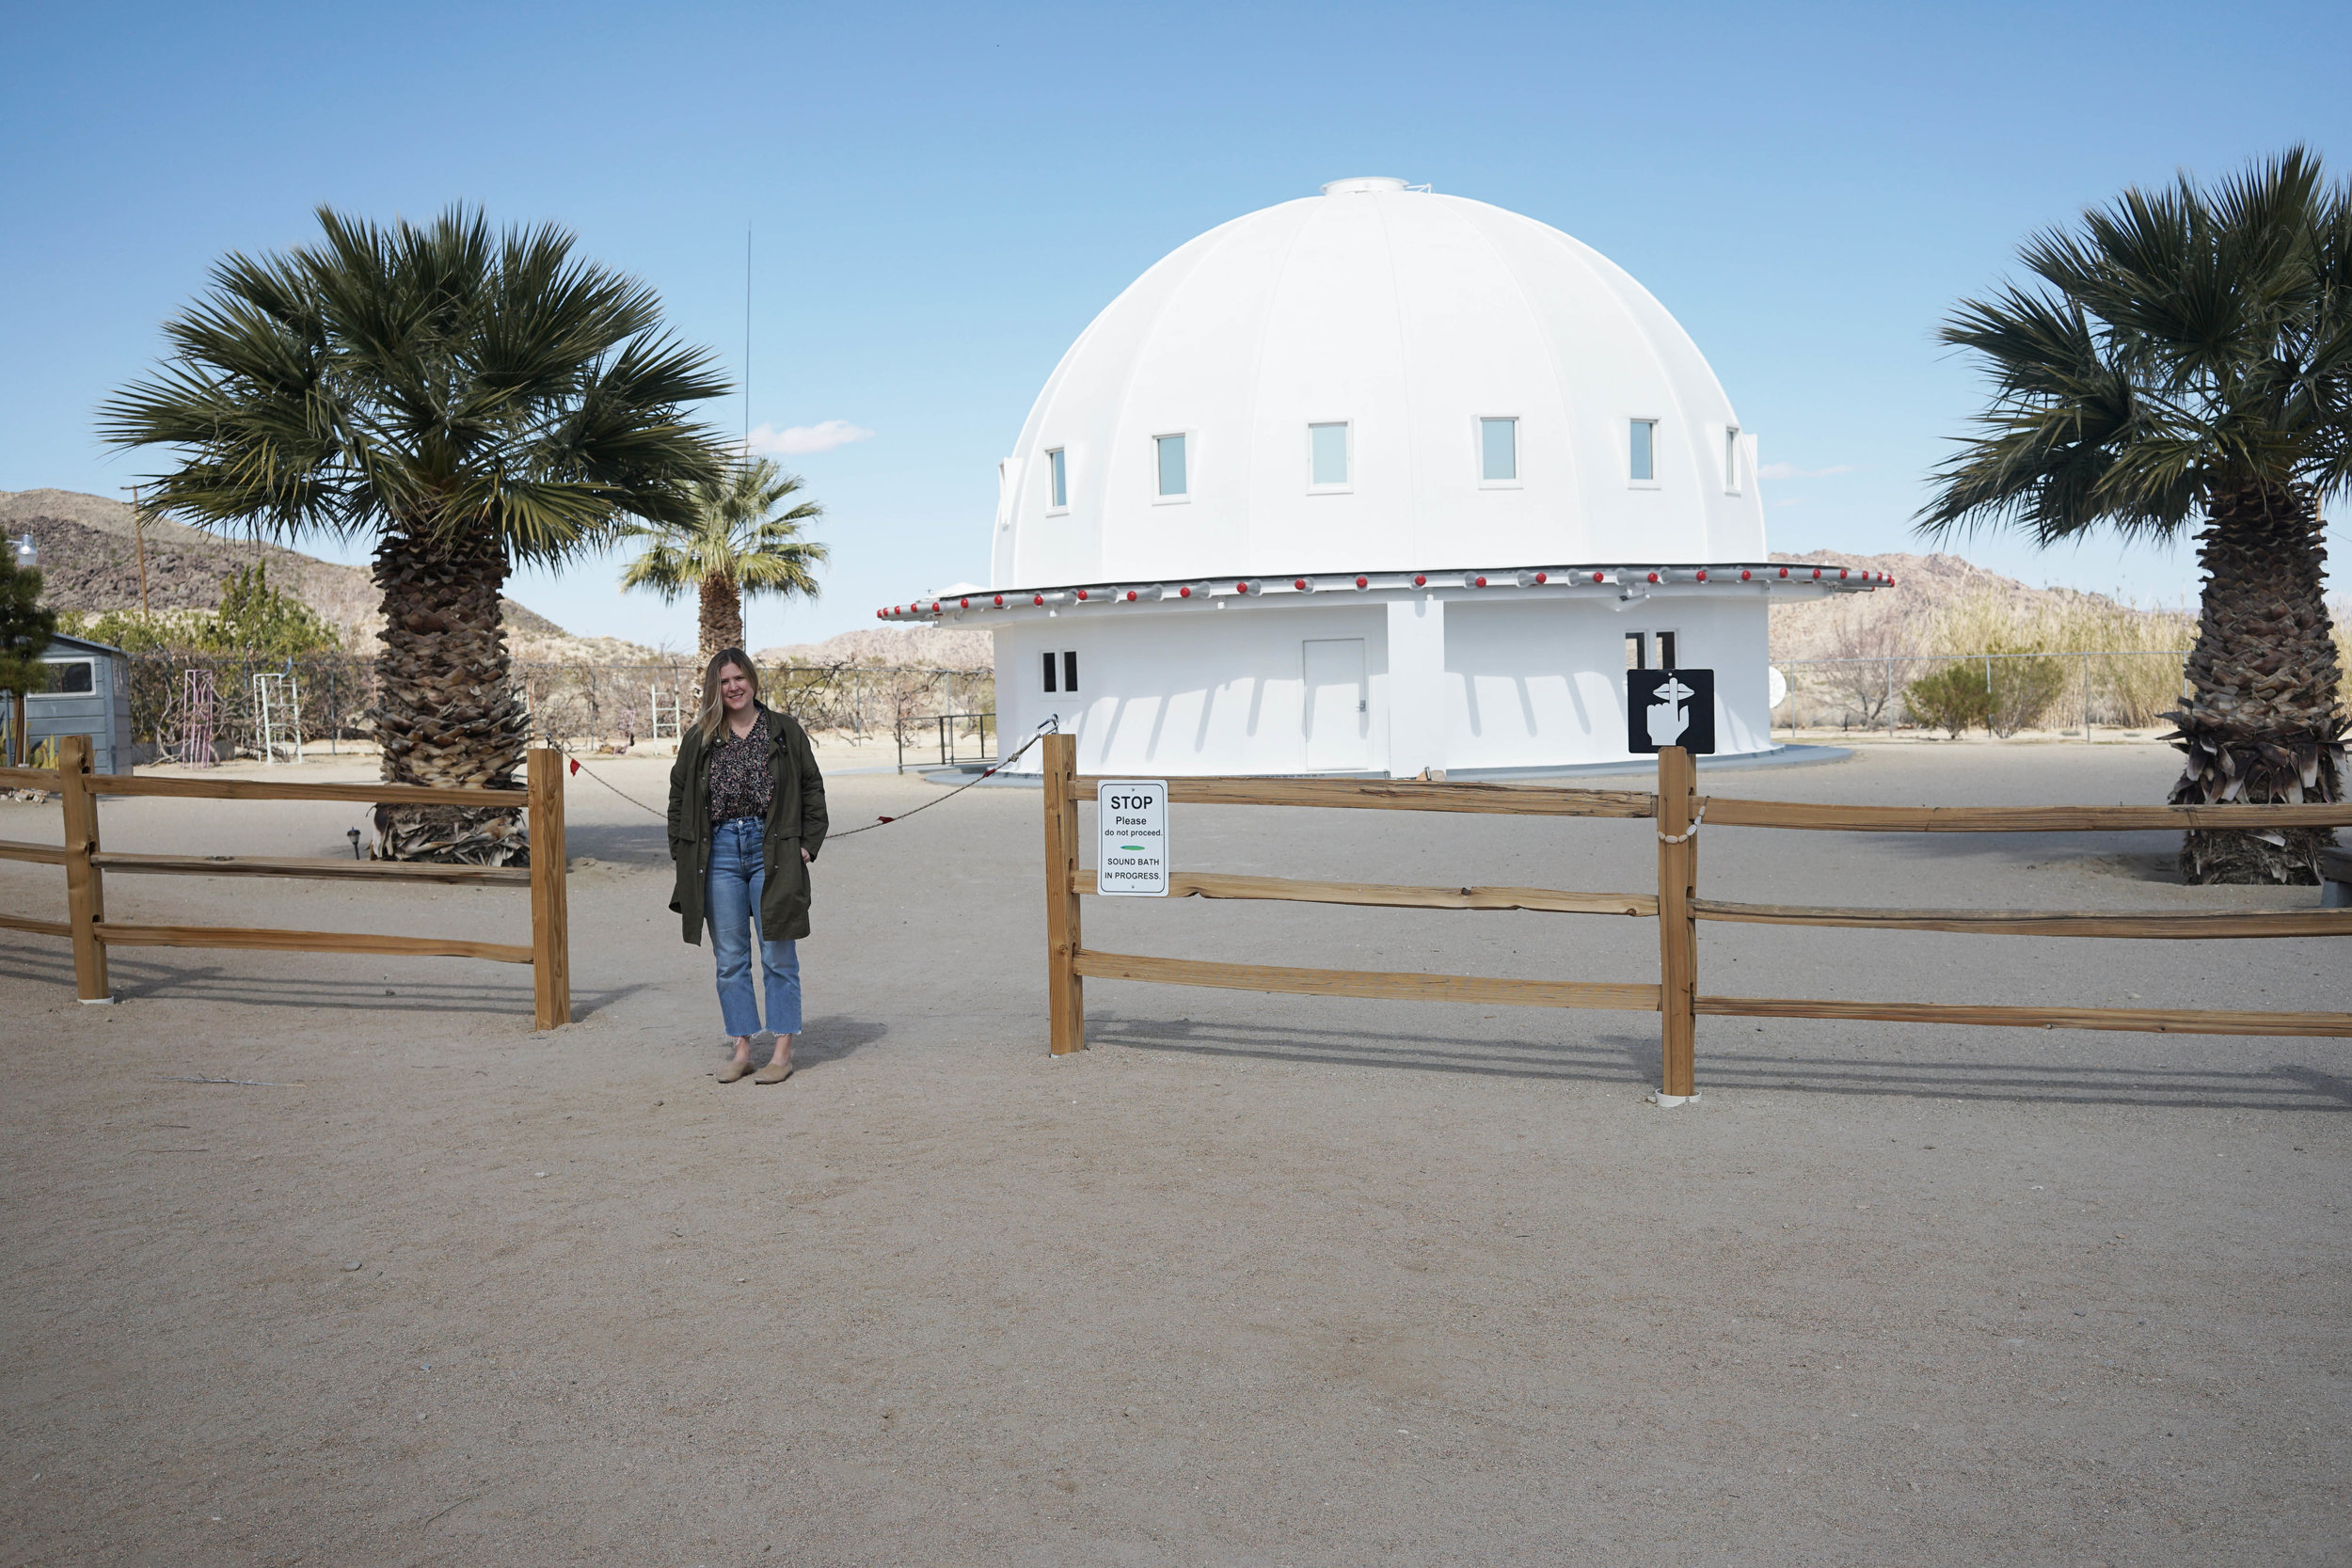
point(1375, 482)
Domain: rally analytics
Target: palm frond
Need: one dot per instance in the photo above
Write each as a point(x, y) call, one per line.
point(2180, 339)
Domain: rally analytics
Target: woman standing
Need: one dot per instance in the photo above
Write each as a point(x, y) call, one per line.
point(747, 815)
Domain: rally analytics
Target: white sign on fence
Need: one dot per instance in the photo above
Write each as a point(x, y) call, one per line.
point(1132, 816)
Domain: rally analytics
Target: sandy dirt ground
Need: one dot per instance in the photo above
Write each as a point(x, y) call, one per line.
point(1254, 1281)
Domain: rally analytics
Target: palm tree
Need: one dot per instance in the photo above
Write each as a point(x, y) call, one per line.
point(2187, 361)
point(735, 544)
point(470, 402)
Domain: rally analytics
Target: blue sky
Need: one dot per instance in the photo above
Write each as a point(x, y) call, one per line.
point(942, 196)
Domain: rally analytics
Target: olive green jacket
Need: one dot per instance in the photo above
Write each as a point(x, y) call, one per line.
point(796, 821)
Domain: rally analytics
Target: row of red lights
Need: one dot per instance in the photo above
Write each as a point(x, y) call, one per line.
point(1420, 580)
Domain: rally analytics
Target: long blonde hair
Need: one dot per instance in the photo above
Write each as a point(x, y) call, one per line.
point(713, 712)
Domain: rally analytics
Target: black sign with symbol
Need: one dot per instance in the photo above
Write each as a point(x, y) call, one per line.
point(1670, 708)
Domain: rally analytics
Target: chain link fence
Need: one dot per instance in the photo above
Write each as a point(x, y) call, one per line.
point(2003, 694)
point(329, 698)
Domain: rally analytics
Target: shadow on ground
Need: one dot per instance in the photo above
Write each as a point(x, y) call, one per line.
point(153, 979)
point(834, 1039)
point(1632, 1060)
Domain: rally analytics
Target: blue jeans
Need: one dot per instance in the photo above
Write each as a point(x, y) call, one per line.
point(738, 873)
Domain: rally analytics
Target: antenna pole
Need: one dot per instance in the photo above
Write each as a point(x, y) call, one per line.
point(747, 343)
point(139, 541)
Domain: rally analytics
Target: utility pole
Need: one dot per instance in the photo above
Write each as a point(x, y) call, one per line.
point(138, 542)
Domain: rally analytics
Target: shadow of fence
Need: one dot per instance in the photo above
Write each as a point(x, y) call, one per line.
point(1632, 1060)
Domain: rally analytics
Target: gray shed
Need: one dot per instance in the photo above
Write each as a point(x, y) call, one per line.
point(89, 693)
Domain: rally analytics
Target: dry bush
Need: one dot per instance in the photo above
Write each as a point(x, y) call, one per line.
point(1871, 650)
point(2132, 688)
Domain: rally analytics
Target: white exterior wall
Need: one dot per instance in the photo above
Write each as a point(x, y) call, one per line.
point(1186, 691)
point(1542, 685)
point(1452, 682)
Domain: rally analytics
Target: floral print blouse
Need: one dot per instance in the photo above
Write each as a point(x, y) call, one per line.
point(740, 782)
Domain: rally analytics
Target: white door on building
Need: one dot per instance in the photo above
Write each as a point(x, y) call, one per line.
point(1339, 705)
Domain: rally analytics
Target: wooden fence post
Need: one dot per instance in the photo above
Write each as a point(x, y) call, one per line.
point(1678, 926)
point(84, 885)
point(550, 928)
point(1065, 992)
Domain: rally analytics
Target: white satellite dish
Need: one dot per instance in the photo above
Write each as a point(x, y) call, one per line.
point(1776, 687)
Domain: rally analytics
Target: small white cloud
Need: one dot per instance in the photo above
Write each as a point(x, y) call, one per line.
point(800, 439)
point(1789, 471)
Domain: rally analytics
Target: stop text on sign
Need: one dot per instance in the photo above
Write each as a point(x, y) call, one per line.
point(1131, 851)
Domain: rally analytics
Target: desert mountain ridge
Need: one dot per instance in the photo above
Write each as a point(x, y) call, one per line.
point(88, 559)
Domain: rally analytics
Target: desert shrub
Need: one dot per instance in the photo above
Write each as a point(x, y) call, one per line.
point(2016, 693)
point(2022, 692)
point(1953, 699)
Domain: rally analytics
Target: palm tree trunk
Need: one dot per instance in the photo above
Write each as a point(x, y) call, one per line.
point(2259, 722)
point(721, 616)
point(446, 712)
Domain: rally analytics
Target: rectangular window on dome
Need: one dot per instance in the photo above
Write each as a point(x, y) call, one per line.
point(1731, 460)
point(1497, 449)
point(1326, 451)
point(1644, 453)
point(1058, 474)
point(1174, 482)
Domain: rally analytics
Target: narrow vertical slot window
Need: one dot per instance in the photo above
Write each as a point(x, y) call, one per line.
point(1175, 484)
point(1326, 450)
point(1644, 453)
point(1666, 651)
point(1069, 671)
point(1731, 460)
point(1052, 664)
point(1498, 451)
point(1636, 651)
point(1058, 471)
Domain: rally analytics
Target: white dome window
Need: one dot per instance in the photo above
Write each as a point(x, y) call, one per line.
point(1056, 481)
point(1498, 451)
point(1642, 454)
point(1327, 456)
point(1172, 461)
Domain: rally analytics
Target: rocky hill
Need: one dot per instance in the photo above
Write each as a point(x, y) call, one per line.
point(1904, 618)
point(89, 552)
point(931, 647)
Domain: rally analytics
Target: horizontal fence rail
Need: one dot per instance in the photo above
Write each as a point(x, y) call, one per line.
point(87, 866)
point(1384, 896)
point(2158, 924)
point(1394, 795)
point(1357, 982)
point(1803, 815)
point(1679, 812)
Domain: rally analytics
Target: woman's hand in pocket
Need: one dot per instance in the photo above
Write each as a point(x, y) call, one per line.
point(805, 856)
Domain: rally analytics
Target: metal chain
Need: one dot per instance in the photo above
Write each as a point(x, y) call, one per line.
point(1050, 725)
point(1691, 833)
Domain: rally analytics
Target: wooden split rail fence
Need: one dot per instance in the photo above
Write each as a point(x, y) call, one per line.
point(1678, 810)
point(88, 865)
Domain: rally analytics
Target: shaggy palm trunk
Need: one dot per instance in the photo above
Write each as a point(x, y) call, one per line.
point(2259, 722)
point(446, 712)
point(721, 616)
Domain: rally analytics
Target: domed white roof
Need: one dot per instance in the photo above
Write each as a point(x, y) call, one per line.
point(1410, 317)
